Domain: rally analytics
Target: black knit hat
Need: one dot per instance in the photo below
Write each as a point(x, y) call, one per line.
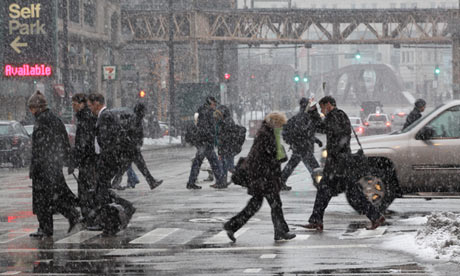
point(420, 103)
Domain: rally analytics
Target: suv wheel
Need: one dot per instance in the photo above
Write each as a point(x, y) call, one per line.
point(376, 188)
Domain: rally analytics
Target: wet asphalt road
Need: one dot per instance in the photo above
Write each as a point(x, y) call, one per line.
point(178, 232)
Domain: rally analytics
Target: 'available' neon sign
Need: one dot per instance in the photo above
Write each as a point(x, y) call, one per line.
point(26, 70)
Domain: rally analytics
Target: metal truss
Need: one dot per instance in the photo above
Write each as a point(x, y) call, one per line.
point(297, 26)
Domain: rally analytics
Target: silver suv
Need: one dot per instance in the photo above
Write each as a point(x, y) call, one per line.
point(422, 160)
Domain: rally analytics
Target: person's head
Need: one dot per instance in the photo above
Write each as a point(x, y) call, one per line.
point(79, 101)
point(303, 103)
point(140, 110)
point(327, 104)
point(37, 102)
point(276, 119)
point(420, 104)
point(211, 102)
point(96, 102)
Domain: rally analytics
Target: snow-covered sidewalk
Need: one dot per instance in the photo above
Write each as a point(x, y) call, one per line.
point(438, 238)
point(163, 142)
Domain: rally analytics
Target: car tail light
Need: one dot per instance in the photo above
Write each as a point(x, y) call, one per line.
point(366, 123)
point(401, 114)
point(362, 109)
point(388, 124)
point(392, 117)
point(15, 140)
point(360, 129)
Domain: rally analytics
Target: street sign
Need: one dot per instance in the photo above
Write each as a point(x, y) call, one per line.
point(28, 38)
point(109, 72)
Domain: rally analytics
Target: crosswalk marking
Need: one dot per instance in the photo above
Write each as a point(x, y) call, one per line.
point(154, 236)
point(364, 233)
point(180, 237)
point(10, 236)
point(11, 273)
point(80, 237)
point(267, 256)
point(252, 270)
point(222, 237)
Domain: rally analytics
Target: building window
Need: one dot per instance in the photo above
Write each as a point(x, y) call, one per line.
point(89, 12)
point(74, 11)
point(393, 5)
point(403, 5)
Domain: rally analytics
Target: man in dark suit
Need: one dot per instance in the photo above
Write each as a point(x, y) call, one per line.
point(416, 113)
point(336, 177)
point(84, 157)
point(50, 151)
point(107, 149)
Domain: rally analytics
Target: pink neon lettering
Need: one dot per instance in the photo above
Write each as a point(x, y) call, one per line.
point(28, 71)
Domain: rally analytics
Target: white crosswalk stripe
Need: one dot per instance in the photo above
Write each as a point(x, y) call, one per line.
point(13, 235)
point(154, 236)
point(80, 237)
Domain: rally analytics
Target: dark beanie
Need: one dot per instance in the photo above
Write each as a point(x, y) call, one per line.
point(303, 102)
point(37, 100)
point(420, 103)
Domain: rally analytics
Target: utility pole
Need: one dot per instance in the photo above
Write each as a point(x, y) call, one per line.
point(172, 92)
point(65, 54)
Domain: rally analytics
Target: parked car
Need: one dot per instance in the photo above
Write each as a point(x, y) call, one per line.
point(166, 130)
point(15, 144)
point(422, 160)
point(377, 123)
point(71, 131)
point(357, 125)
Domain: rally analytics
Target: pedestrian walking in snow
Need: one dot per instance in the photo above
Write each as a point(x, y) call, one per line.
point(264, 167)
point(299, 133)
point(110, 159)
point(416, 113)
point(84, 157)
point(336, 178)
point(205, 141)
point(50, 152)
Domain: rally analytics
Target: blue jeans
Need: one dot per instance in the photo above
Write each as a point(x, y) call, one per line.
point(228, 164)
point(132, 177)
point(202, 152)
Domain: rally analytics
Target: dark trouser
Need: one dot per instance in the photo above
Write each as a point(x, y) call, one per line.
point(228, 164)
point(208, 152)
point(325, 193)
point(137, 159)
point(60, 205)
point(106, 170)
point(253, 206)
point(307, 158)
point(86, 188)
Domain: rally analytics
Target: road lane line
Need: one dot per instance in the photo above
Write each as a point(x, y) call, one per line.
point(80, 237)
point(180, 237)
point(222, 237)
point(252, 270)
point(267, 256)
point(11, 273)
point(154, 236)
point(10, 236)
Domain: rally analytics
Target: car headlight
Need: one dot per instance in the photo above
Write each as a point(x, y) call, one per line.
point(324, 154)
point(318, 178)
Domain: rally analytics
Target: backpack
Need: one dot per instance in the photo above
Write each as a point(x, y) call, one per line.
point(239, 138)
point(289, 132)
point(126, 139)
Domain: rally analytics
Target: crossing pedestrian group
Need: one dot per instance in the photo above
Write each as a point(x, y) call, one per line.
point(108, 141)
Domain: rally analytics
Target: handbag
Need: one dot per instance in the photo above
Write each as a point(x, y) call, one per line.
point(241, 174)
point(358, 164)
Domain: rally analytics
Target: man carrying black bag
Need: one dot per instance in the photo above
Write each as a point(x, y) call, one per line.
point(110, 160)
point(336, 176)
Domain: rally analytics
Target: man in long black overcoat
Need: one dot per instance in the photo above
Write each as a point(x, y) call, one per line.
point(50, 152)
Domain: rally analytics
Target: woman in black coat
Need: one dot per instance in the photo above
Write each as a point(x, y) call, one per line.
point(50, 152)
point(264, 166)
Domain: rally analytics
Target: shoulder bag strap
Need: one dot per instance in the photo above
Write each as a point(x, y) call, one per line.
point(356, 136)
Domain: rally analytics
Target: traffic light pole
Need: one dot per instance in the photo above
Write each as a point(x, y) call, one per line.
point(295, 67)
point(172, 92)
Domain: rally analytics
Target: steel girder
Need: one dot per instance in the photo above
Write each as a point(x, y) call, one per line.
point(296, 26)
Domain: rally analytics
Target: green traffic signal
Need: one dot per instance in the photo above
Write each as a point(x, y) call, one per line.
point(437, 70)
point(358, 55)
point(296, 78)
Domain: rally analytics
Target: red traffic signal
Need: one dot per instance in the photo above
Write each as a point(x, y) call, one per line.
point(227, 76)
point(141, 94)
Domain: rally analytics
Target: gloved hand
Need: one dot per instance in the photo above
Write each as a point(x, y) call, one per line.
point(317, 141)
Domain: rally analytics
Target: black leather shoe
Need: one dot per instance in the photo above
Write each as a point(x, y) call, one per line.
point(39, 234)
point(284, 236)
point(193, 187)
point(155, 183)
point(314, 226)
point(94, 228)
point(375, 224)
point(230, 234)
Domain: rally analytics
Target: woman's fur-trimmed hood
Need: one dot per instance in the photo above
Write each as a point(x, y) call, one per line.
point(276, 119)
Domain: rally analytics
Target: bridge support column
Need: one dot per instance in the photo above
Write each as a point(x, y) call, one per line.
point(456, 66)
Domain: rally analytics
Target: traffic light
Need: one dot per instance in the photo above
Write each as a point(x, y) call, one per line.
point(253, 77)
point(296, 77)
point(305, 78)
point(227, 76)
point(437, 70)
point(142, 94)
point(358, 55)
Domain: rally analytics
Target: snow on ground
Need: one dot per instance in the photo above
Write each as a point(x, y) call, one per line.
point(437, 238)
point(163, 141)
